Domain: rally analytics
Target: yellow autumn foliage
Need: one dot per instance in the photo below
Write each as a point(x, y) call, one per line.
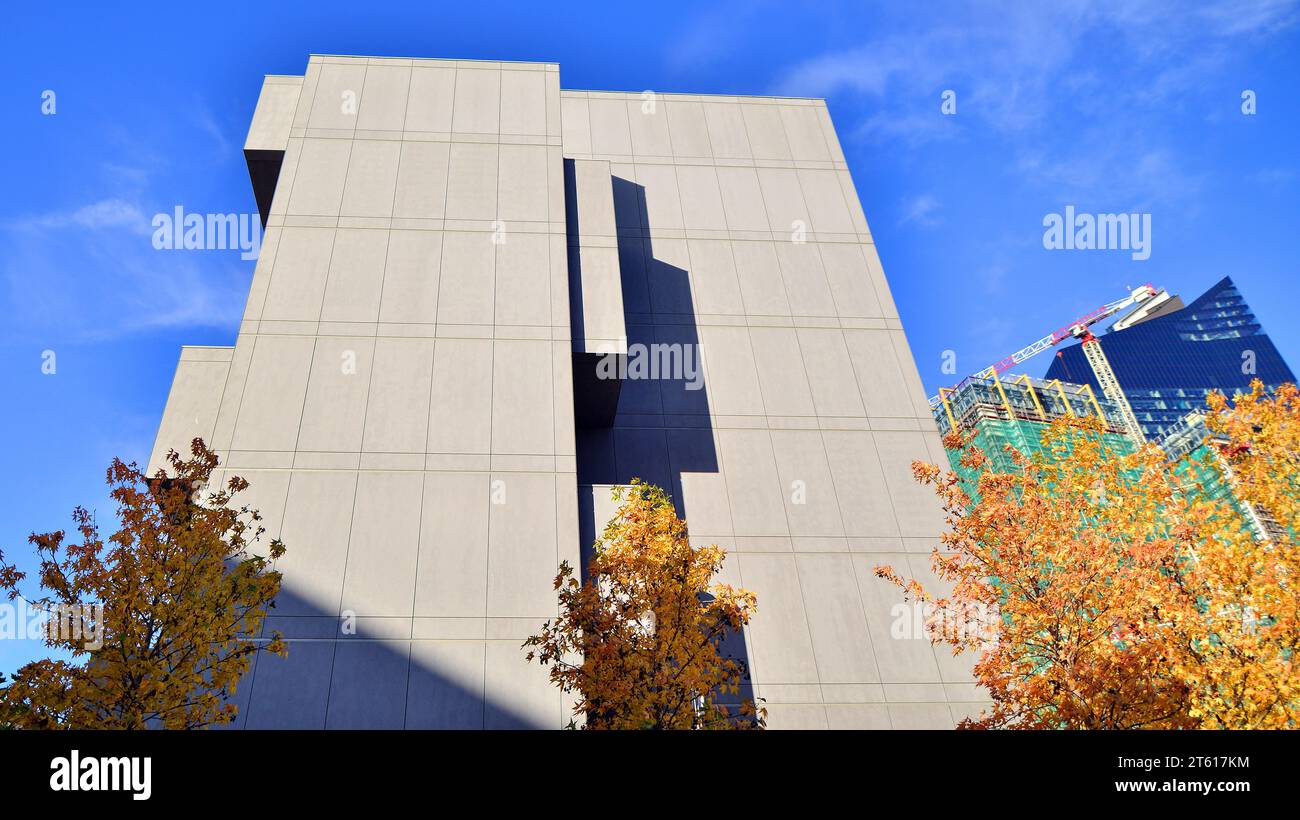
point(1104, 592)
point(183, 597)
point(640, 642)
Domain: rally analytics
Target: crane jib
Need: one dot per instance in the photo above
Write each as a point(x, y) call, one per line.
point(1097, 360)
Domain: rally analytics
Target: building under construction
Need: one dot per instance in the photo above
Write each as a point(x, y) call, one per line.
point(1194, 450)
point(995, 412)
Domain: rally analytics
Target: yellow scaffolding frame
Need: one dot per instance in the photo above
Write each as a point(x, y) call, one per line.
point(947, 407)
point(1031, 386)
point(1060, 389)
point(1093, 397)
point(1011, 413)
point(1033, 394)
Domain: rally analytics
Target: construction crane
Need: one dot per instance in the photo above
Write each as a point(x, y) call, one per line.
point(1080, 329)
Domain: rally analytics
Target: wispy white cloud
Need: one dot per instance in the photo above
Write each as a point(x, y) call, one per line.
point(711, 35)
point(88, 270)
point(1005, 60)
point(1100, 167)
point(993, 276)
point(102, 214)
point(1274, 178)
point(920, 210)
point(911, 128)
point(127, 178)
point(1020, 71)
point(207, 123)
point(91, 272)
point(1252, 17)
point(998, 66)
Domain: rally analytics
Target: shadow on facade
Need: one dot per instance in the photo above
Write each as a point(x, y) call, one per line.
point(378, 679)
point(662, 428)
point(370, 680)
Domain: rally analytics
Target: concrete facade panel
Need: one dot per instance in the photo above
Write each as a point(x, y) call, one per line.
point(520, 574)
point(334, 413)
point(759, 273)
point(397, 411)
point(477, 108)
point(451, 581)
point(688, 128)
point(830, 372)
point(726, 126)
point(356, 273)
point(273, 396)
point(383, 98)
point(273, 117)
point(701, 198)
point(649, 131)
point(372, 178)
point(472, 181)
point(412, 266)
point(805, 279)
point(319, 177)
point(523, 103)
point(192, 409)
point(460, 414)
point(781, 375)
point(445, 690)
point(337, 96)
point(780, 643)
point(368, 686)
point(742, 198)
point(384, 544)
point(292, 692)
point(421, 189)
point(429, 102)
point(466, 283)
point(713, 268)
point(317, 520)
point(809, 491)
point(298, 278)
point(522, 286)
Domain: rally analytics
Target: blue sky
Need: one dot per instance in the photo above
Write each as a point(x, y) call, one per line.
point(1112, 107)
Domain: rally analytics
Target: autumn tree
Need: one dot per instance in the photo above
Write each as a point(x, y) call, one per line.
point(160, 619)
point(1125, 592)
point(640, 642)
point(6, 720)
point(1245, 670)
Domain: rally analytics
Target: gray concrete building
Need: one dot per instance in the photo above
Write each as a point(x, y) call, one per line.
point(452, 249)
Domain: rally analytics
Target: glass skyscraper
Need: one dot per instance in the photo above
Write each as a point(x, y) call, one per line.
point(1167, 363)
